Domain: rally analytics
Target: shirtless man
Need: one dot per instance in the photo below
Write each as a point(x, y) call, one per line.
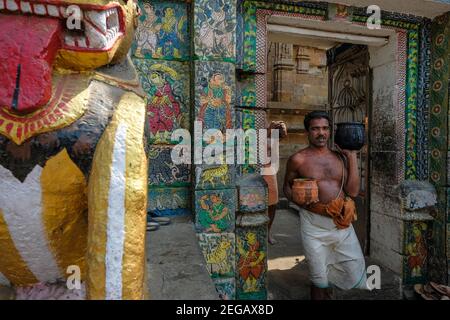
point(331, 247)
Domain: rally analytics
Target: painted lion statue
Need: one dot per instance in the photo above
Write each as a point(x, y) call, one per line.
point(73, 166)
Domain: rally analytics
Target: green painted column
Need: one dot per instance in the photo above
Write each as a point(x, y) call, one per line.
point(215, 197)
point(439, 146)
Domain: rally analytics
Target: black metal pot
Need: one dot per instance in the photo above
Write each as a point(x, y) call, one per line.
point(350, 135)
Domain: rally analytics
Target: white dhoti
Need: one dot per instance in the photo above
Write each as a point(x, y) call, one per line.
point(334, 256)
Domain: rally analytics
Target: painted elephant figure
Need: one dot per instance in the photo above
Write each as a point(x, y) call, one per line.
point(73, 166)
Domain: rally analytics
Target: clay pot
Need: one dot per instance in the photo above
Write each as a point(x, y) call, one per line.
point(350, 135)
point(305, 191)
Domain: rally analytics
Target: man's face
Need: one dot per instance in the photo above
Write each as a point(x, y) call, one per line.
point(319, 132)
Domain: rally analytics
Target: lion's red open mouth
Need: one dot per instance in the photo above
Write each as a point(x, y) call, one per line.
point(31, 34)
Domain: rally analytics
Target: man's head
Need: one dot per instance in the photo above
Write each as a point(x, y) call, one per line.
point(317, 125)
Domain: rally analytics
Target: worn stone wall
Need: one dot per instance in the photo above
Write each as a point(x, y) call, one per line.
point(386, 227)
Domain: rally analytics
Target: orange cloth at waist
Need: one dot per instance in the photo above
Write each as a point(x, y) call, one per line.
point(342, 211)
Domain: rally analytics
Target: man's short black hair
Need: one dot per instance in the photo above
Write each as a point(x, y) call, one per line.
point(315, 115)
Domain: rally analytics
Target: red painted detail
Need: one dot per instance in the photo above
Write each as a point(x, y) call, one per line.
point(9, 127)
point(32, 42)
point(41, 113)
point(58, 113)
point(19, 132)
point(32, 127)
point(25, 130)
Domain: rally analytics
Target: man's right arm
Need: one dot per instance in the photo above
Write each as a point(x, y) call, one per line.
point(291, 174)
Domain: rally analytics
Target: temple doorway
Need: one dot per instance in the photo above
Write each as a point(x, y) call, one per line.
point(313, 73)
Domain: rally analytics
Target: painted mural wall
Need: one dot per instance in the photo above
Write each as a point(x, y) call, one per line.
point(161, 54)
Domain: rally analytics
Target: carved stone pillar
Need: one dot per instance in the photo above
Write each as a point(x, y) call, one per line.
point(282, 72)
point(303, 60)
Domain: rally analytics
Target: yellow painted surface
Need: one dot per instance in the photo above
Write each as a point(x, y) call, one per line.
point(98, 193)
point(11, 263)
point(132, 112)
point(64, 204)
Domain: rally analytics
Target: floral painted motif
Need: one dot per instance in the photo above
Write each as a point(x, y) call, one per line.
point(163, 172)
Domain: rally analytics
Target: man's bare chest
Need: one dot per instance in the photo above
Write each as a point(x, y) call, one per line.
point(322, 168)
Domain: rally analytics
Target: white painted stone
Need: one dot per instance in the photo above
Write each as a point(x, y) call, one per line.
point(21, 204)
point(115, 238)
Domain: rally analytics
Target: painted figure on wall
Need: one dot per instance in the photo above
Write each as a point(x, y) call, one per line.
point(215, 103)
point(147, 30)
point(417, 250)
point(218, 258)
point(216, 32)
point(166, 84)
point(162, 31)
point(219, 253)
point(214, 216)
point(72, 158)
point(251, 262)
point(163, 109)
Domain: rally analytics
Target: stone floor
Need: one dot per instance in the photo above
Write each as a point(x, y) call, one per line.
point(176, 267)
point(288, 271)
point(177, 271)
